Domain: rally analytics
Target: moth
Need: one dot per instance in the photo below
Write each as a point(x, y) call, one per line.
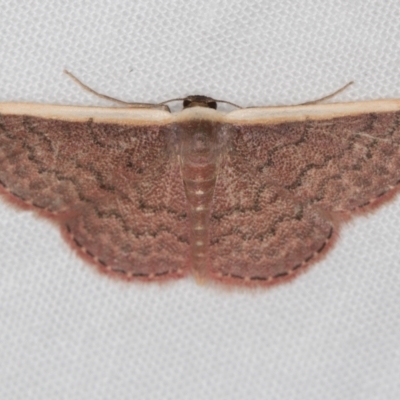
point(249, 197)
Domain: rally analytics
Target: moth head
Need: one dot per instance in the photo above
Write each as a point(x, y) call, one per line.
point(199, 101)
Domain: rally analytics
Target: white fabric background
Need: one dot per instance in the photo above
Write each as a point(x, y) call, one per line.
point(68, 333)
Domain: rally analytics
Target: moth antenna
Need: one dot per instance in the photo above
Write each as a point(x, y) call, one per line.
point(171, 100)
point(329, 96)
point(104, 96)
point(228, 102)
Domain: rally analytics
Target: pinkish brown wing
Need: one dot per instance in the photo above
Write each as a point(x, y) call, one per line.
point(284, 189)
point(116, 190)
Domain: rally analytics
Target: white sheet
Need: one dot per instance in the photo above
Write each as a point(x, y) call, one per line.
point(68, 333)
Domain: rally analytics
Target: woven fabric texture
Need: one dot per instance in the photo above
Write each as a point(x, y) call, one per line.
point(68, 333)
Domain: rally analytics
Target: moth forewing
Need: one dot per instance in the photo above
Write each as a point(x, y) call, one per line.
point(269, 115)
point(249, 197)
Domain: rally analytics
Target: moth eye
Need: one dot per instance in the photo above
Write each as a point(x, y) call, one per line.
point(212, 104)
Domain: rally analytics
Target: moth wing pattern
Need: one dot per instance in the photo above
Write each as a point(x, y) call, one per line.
point(284, 189)
point(286, 179)
point(119, 202)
